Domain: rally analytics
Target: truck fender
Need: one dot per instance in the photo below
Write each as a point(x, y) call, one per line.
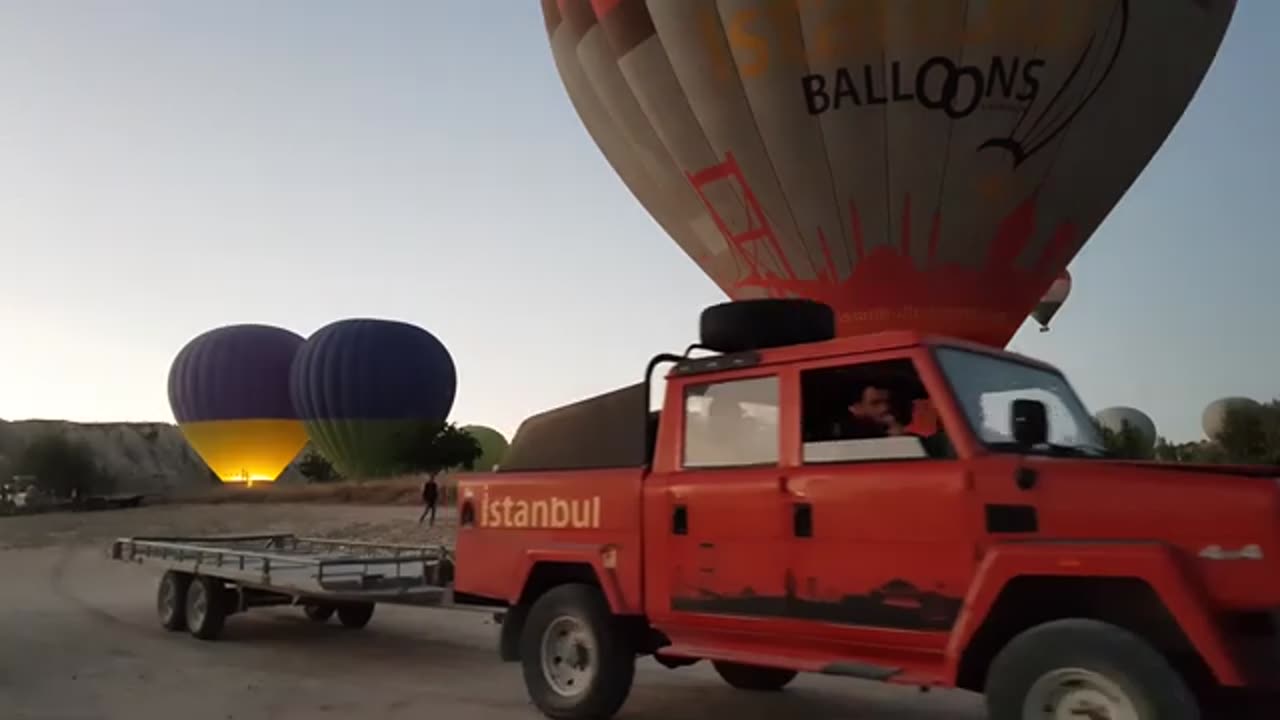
point(588, 556)
point(1154, 563)
point(574, 554)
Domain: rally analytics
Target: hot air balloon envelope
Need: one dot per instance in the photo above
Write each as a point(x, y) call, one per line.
point(365, 387)
point(493, 446)
point(1052, 300)
point(1116, 418)
point(229, 391)
point(1214, 417)
point(915, 164)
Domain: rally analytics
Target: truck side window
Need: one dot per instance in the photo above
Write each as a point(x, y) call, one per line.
point(869, 412)
point(731, 424)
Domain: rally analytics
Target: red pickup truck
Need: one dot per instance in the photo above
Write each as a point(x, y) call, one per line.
point(912, 509)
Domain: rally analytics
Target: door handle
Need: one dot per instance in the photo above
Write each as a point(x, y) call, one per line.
point(802, 519)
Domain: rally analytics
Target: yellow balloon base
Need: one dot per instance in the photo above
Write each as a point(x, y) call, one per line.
point(246, 451)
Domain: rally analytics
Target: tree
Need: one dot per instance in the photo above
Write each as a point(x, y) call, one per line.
point(437, 449)
point(1128, 443)
point(63, 468)
point(1195, 451)
point(316, 468)
point(1251, 435)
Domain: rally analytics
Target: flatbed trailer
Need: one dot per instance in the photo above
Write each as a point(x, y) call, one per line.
point(209, 578)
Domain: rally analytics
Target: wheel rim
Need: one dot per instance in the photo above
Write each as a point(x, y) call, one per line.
point(569, 656)
point(197, 604)
point(1078, 694)
point(168, 598)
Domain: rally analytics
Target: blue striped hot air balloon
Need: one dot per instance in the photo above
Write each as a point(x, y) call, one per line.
point(365, 387)
point(229, 391)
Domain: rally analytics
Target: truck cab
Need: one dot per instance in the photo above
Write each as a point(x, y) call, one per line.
point(898, 507)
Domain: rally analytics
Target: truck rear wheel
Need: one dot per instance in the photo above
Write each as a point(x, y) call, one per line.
point(754, 677)
point(577, 662)
point(171, 600)
point(1085, 669)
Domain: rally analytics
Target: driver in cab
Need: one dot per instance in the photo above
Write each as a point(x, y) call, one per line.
point(870, 415)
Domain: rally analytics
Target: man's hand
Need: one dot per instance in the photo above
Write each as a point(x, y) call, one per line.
point(891, 425)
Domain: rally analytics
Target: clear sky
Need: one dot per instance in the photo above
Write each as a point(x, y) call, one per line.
point(168, 167)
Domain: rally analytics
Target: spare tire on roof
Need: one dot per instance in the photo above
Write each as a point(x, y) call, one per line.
point(743, 325)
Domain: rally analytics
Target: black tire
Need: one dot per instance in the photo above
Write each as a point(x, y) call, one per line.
point(755, 324)
point(1240, 704)
point(206, 608)
point(1088, 654)
point(171, 600)
point(355, 615)
point(579, 617)
point(319, 613)
point(754, 677)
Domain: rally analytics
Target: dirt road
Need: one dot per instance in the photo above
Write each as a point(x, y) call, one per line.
point(79, 641)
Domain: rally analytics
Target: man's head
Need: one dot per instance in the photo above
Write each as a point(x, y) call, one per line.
point(873, 403)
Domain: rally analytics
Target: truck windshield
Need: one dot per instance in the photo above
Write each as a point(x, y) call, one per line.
point(985, 387)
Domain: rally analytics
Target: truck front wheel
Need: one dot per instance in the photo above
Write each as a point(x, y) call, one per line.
point(578, 663)
point(754, 677)
point(1086, 669)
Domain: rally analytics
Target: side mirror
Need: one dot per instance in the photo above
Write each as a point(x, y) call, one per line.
point(1030, 421)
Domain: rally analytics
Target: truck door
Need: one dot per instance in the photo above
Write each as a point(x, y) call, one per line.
point(716, 528)
point(881, 535)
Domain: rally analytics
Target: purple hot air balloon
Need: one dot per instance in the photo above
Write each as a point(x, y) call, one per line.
point(364, 387)
point(229, 391)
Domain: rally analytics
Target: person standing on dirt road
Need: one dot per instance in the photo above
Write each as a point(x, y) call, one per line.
point(430, 495)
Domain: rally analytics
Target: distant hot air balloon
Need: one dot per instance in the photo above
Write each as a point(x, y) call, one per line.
point(229, 390)
point(1214, 417)
point(492, 446)
point(1115, 418)
point(365, 387)
point(927, 164)
point(1052, 300)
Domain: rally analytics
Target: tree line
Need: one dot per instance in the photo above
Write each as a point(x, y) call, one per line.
point(1249, 436)
point(57, 466)
point(433, 450)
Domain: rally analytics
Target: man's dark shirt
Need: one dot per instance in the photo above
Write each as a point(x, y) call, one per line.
point(852, 427)
point(430, 493)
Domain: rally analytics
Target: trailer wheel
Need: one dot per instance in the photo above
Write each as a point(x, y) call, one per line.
point(355, 615)
point(171, 600)
point(206, 608)
point(1085, 668)
point(576, 658)
point(753, 677)
point(317, 612)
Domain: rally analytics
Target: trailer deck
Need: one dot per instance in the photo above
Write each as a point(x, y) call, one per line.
point(208, 578)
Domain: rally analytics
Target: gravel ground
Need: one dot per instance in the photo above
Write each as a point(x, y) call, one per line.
point(79, 641)
point(389, 524)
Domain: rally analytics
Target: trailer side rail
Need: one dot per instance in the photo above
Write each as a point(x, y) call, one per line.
point(386, 572)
